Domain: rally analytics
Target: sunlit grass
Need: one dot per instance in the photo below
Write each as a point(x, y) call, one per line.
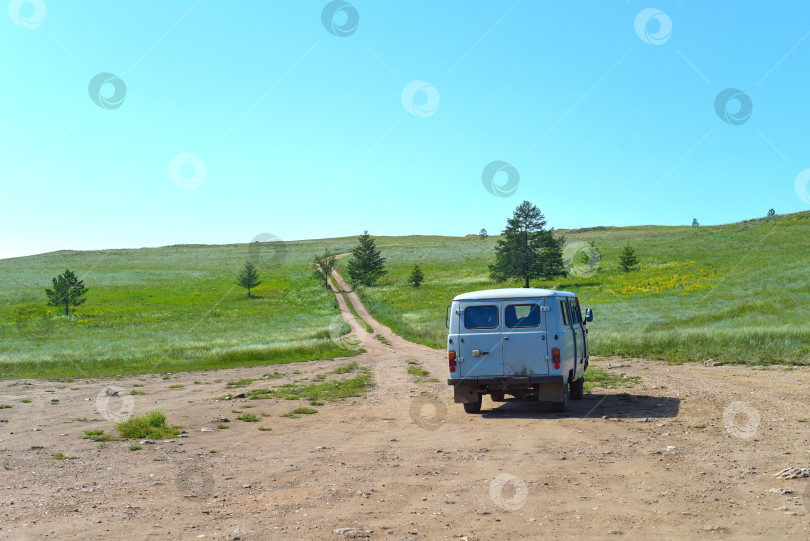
point(735, 293)
point(164, 310)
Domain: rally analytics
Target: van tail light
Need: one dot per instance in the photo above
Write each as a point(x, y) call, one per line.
point(451, 358)
point(555, 357)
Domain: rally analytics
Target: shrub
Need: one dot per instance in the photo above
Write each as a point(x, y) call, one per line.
point(151, 426)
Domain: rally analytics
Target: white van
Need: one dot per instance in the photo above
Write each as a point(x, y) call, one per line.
point(525, 342)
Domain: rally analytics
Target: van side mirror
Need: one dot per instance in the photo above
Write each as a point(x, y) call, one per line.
point(588, 315)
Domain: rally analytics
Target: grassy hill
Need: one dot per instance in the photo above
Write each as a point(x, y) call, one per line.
point(165, 309)
point(736, 293)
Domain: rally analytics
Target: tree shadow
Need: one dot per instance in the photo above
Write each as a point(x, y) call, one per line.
point(593, 405)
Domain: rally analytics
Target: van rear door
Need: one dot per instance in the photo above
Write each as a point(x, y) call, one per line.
point(480, 344)
point(579, 335)
point(525, 344)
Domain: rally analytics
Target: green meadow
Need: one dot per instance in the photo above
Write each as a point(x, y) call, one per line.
point(165, 310)
point(735, 293)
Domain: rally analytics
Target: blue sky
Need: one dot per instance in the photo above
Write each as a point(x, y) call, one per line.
point(235, 120)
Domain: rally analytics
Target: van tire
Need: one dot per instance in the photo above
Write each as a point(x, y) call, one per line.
point(473, 407)
point(561, 406)
point(577, 390)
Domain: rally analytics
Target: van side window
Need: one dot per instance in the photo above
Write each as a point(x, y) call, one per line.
point(481, 317)
point(574, 312)
point(578, 311)
point(564, 310)
point(522, 315)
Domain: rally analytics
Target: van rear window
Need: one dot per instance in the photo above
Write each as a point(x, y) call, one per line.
point(522, 315)
point(481, 317)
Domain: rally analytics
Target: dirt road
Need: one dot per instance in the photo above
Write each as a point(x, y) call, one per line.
point(675, 452)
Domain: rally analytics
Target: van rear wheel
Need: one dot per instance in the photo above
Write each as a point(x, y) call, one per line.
point(473, 407)
point(577, 389)
point(497, 397)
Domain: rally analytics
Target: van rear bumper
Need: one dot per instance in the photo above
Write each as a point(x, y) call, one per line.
point(547, 388)
point(506, 380)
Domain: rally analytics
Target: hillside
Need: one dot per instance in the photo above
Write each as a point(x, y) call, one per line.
point(734, 292)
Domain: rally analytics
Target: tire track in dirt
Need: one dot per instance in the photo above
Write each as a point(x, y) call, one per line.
point(389, 361)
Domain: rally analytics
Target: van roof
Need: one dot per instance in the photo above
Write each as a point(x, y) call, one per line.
point(511, 293)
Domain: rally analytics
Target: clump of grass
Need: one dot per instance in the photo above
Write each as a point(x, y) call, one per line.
point(240, 382)
point(53, 401)
point(136, 392)
point(228, 396)
point(316, 403)
point(597, 377)
point(419, 372)
point(4, 406)
point(297, 412)
point(802, 420)
point(137, 384)
point(7, 466)
point(249, 418)
point(103, 445)
point(382, 339)
point(198, 383)
point(274, 375)
point(265, 428)
point(167, 377)
point(62, 456)
point(160, 459)
point(80, 419)
point(351, 367)
point(329, 391)
point(223, 426)
point(152, 426)
point(177, 386)
point(135, 447)
point(98, 435)
point(699, 426)
point(213, 451)
point(25, 401)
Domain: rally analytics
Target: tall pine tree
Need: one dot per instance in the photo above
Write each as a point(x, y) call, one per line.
point(528, 250)
point(366, 265)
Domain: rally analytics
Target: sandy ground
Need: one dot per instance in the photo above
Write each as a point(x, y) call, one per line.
point(668, 458)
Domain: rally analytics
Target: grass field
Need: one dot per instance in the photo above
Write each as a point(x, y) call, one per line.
point(735, 293)
point(165, 310)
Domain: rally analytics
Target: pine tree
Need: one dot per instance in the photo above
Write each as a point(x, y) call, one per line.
point(366, 265)
point(417, 277)
point(528, 250)
point(628, 258)
point(483, 234)
point(249, 277)
point(67, 291)
point(695, 222)
point(771, 213)
point(324, 265)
